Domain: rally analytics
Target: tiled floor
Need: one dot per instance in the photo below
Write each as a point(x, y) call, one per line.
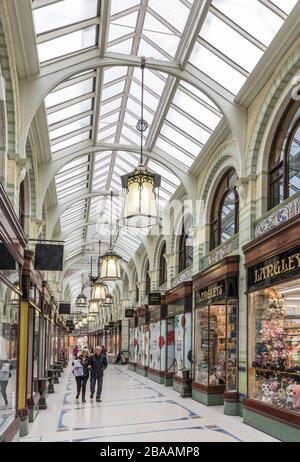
point(134, 409)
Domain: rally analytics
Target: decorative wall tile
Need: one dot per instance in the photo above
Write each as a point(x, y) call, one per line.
point(276, 218)
point(219, 253)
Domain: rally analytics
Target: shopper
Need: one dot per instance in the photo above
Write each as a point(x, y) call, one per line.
point(81, 372)
point(98, 364)
point(5, 374)
point(75, 351)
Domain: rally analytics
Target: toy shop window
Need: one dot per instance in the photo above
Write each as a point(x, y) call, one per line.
point(284, 161)
point(274, 346)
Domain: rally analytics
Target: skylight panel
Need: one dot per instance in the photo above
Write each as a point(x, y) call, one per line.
point(61, 177)
point(195, 109)
point(110, 106)
point(69, 111)
point(122, 26)
point(67, 44)
point(69, 128)
point(71, 141)
point(181, 140)
point(74, 163)
point(217, 69)
point(160, 35)
point(113, 90)
point(174, 151)
point(188, 126)
point(149, 99)
point(107, 132)
point(70, 92)
point(63, 13)
point(255, 18)
point(230, 43)
point(145, 49)
point(152, 80)
point(121, 5)
point(105, 121)
point(113, 73)
point(199, 95)
point(124, 47)
point(172, 11)
point(285, 5)
point(164, 172)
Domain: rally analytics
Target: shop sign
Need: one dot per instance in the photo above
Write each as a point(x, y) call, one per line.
point(276, 269)
point(129, 313)
point(211, 292)
point(154, 298)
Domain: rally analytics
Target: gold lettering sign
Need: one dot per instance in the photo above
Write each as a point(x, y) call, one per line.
point(210, 293)
point(279, 267)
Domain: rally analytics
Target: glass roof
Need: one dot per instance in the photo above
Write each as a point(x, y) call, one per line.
point(99, 109)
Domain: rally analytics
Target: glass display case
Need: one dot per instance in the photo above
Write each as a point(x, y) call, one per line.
point(216, 345)
point(274, 352)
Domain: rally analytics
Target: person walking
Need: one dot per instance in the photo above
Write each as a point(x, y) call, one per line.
point(75, 351)
point(5, 374)
point(98, 364)
point(81, 373)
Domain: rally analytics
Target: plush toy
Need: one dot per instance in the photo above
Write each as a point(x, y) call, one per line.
point(266, 398)
point(296, 397)
point(281, 397)
point(274, 392)
point(290, 396)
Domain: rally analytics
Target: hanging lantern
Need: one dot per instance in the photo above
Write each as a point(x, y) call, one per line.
point(81, 301)
point(76, 327)
point(84, 321)
point(110, 266)
point(79, 323)
point(99, 291)
point(93, 307)
point(109, 300)
point(140, 207)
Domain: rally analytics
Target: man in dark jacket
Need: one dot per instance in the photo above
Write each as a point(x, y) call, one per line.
point(98, 363)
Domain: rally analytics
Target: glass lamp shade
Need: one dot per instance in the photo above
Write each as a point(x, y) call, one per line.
point(81, 301)
point(109, 300)
point(140, 208)
point(99, 291)
point(84, 321)
point(14, 298)
point(93, 307)
point(79, 323)
point(110, 267)
point(76, 327)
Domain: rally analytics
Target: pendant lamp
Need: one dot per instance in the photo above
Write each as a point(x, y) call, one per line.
point(140, 207)
point(110, 261)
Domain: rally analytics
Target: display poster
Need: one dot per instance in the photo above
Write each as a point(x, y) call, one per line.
point(163, 345)
point(179, 343)
point(170, 344)
point(187, 340)
point(136, 344)
point(140, 333)
point(131, 344)
point(146, 341)
point(154, 345)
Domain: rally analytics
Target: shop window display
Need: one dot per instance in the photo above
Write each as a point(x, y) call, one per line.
point(143, 345)
point(216, 345)
point(274, 361)
point(157, 351)
point(9, 310)
point(183, 330)
point(170, 345)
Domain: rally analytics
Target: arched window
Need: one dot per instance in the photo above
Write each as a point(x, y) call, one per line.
point(225, 211)
point(163, 265)
point(185, 247)
point(148, 281)
point(284, 163)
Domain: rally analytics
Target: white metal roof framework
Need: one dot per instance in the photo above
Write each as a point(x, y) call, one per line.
point(224, 39)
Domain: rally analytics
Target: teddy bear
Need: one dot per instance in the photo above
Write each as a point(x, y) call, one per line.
point(296, 397)
point(274, 392)
point(281, 397)
point(290, 396)
point(266, 398)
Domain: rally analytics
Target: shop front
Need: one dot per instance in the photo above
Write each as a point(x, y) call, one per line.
point(142, 365)
point(273, 272)
point(157, 342)
point(133, 342)
point(216, 335)
point(179, 335)
point(12, 371)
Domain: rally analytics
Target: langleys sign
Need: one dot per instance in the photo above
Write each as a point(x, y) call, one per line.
point(276, 269)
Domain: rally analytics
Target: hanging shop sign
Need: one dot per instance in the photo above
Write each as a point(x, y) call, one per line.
point(154, 298)
point(64, 308)
point(129, 313)
point(49, 257)
point(276, 269)
point(218, 291)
